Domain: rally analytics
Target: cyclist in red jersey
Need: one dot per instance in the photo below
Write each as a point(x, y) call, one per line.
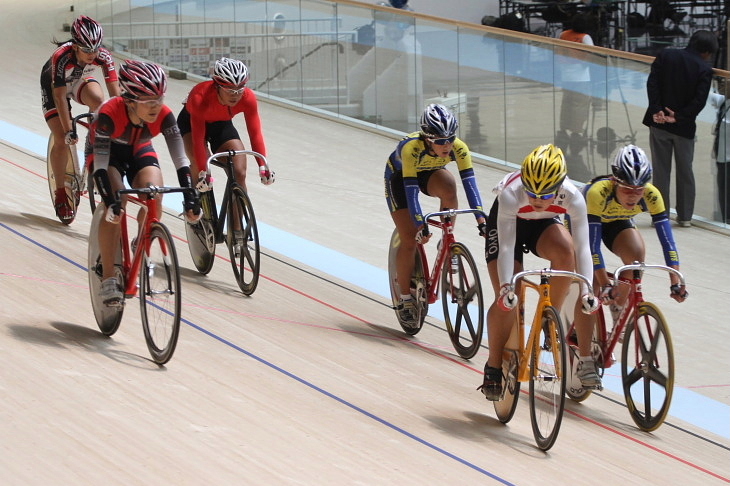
point(206, 121)
point(121, 135)
point(68, 75)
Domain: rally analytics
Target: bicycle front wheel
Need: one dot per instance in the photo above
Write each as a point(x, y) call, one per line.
point(243, 241)
point(647, 367)
point(107, 317)
point(505, 407)
point(547, 380)
point(463, 302)
point(418, 286)
point(159, 295)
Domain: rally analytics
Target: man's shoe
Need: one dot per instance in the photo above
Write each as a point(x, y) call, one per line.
point(684, 224)
point(588, 375)
point(111, 294)
point(492, 385)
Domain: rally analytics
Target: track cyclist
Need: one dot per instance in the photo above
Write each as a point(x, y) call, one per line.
point(525, 217)
point(418, 164)
point(206, 121)
point(121, 137)
point(68, 75)
point(613, 201)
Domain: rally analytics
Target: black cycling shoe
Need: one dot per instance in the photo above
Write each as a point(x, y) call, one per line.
point(492, 386)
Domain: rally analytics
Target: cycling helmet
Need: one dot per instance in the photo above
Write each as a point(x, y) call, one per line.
point(230, 73)
point(141, 78)
point(631, 166)
point(438, 122)
point(86, 32)
point(544, 170)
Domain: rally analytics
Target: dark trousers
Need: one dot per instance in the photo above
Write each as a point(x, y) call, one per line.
point(723, 184)
point(664, 145)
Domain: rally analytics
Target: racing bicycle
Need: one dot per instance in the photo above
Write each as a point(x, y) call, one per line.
point(455, 273)
point(237, 217)
point(148, 266)
point(538, 358)
point(647, 354)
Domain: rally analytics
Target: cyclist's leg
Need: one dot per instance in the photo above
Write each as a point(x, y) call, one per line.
point(499, 322)
point(406, 255)
point(629, 246)
point(59, 152)
point(145, 171)
point(441, 184)
point(223, 136)
point(109, 233)
point(89, 93)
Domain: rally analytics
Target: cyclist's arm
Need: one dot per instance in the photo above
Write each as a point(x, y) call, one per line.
point(250, 110)
point(507, 234)
point(103, 129)
point(579, 230)
point(104, 58)
point(173, 139)
point(468, 179)
point(660, 218)
point(64, 114)
point(196, 108)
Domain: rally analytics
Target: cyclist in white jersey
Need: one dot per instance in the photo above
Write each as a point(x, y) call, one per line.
point(526, 217)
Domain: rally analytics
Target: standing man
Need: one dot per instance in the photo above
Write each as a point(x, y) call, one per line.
point(677, 88)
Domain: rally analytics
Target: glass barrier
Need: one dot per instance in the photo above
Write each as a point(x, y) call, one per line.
point(512, 92)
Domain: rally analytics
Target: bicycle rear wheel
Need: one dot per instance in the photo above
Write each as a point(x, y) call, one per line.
point(506, 406)
point(244, 248)
point(418, 285)
point(71, 182)
point(159, 295)
point(107, 318)
point(201, 235)
point(547, 380)
point(647, 367)
point(463, 302)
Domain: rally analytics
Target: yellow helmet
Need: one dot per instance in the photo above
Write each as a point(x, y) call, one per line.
point(544, 170)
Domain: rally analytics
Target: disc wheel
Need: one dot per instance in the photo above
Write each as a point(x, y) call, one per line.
point(243, 241)
point(505, 407)
point(463, 302)
point(159, 295)
point(647, 367)
point(418, 286)
point(107, 318)
point(547, 380)
point(201, 235)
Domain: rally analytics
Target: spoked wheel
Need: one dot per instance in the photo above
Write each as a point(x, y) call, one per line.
point(243, 241)
point(418, 286)
point(159, 295)
point(201, 235)
point(547, 380)
point(108, 318)
point(461, 295)
point(71, 182)
point(573, 388)
point(647, 367)
point(506, 406)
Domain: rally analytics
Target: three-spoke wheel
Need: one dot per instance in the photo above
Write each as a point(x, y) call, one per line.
point(647, 367)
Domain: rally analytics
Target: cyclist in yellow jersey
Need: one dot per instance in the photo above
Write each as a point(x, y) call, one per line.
point(612, 202)
point(418, 164)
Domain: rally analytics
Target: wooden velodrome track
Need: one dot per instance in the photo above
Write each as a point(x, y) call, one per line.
point(310, 380)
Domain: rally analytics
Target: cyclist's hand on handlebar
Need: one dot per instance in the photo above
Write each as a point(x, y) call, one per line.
point(71, 138)
point(205, 182)
point(482, 227)
point(423, 235)
point(113, 213)
point(589, 303)
point(678, 292)
point(607, 294)
point(507, 298)
point(267, 176)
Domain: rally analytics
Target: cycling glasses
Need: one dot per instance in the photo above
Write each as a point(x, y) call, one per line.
point(153, 102)
point(233, 91)
point(87, 50)
point(542, 197)
point(638, 190)
point(442, 141)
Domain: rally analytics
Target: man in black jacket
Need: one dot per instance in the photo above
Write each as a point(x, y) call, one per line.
point(677, 87)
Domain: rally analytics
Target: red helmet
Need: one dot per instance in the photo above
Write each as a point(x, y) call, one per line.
point(141, 78)
point(86, 32)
